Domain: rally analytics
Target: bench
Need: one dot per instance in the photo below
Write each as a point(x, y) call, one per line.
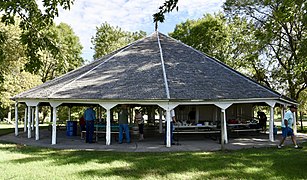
point(237, 131)
point(59, 126)
point(114, 133)
point(197, 132)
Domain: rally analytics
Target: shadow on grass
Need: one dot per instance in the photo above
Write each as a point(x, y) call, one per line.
point(287, 163)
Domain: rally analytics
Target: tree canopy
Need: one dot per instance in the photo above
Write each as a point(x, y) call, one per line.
point(14, 79)
point(67, 58)
point(281, 32)
point(168, 6)
point(217, 37)
point(109, 38)
point(33, 19)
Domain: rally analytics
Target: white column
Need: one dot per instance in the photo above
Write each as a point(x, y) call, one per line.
point(294, 123)
point(29, 121)
point(224, 136)
point(32, 119)
point(282, 113)
point(160, 121)
point(16, 119)
point(224, 129)
point(271, 124)
point(108, 107)
point(168, 128)
point(108, 127)
point(25, 121)
point(37, 123)
point(54, 109)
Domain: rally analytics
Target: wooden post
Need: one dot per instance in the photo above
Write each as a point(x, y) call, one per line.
point(29, 121)
point(16, 118)
point(294, 123)
point(32, 119)
point(54, 114)
point(224, 126)
point(271, 124)
point(108, 127)
point(168, 128)
point(36, 123)
point(160, 121)
point(222, 130)
point(25, 121)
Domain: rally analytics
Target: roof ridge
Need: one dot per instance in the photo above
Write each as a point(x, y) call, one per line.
point(227, 67)
point(163, 68)
point(82, 75)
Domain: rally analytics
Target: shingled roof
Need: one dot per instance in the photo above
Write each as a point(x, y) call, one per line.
point(154, 68)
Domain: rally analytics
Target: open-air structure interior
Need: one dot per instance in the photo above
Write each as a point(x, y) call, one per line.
point(156, 71)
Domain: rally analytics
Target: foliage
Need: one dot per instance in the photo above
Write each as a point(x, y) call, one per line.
point(67, 58)
point(264, 163)
point(208, 34)
point(168, 6)
point(280, 29)
point(13, 79)
point(232, 42)
point(109, 38)
point(33, 19)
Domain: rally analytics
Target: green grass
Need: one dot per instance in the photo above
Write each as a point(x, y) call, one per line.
point(24, 162)
point(10, 128)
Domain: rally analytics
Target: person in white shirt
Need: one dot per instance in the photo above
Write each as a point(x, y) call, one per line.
point(286, 127)
point(140, 121)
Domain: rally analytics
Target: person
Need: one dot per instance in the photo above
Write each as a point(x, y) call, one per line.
point(192, 116)
point(262, 120)
point(123, 124)
point(82, 123)
point(89, 116)
point(173, 120)
point(140, 121)
point(286, 126)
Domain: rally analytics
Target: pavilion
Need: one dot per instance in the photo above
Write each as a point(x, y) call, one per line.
point(155, 70)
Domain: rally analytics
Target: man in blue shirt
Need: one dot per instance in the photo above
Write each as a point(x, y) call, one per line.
point(286, 127)
point(89, 116)
point(123, 124)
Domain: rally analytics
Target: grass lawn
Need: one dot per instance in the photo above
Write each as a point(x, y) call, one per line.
point(9, 128)
point(24, 162)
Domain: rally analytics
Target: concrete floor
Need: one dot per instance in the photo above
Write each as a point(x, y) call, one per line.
point(153, 142)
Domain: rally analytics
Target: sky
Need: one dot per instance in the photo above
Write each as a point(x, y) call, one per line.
point(130, 15)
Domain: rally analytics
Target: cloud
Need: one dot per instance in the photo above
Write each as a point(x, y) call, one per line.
point(130, 15)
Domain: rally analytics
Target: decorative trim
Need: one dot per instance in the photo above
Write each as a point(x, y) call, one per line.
point(163, 69)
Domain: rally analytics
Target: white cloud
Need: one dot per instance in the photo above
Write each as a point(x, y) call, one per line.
point(131, 15)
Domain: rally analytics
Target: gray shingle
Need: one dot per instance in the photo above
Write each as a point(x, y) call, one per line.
point(135, 72)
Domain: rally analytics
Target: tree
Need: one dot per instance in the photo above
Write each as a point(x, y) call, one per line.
point(231, 42)
point(109, 38)
point(168, 6)
point(14, 79)
point(66, 59)
point(209, 34)
point(32, 21)
point(280, 29)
